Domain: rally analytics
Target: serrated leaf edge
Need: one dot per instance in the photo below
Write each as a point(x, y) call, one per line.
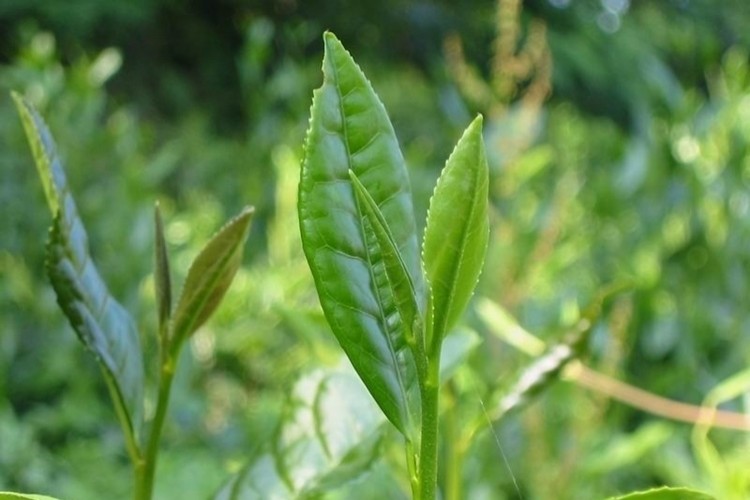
point(434, 338)
point(177, 337)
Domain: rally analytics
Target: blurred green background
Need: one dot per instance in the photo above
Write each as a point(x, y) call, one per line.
point(617, 132)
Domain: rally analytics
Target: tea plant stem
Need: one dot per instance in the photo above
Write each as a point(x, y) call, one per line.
point(457, 439)
point(130, 440)
point(411, 464)
point(428, 446)
point(145, 480)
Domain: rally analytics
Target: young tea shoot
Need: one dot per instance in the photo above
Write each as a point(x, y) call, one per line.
point(389, 300)
point(105, 328)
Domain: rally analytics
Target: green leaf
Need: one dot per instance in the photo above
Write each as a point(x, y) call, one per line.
point(162, 281)
point(458, 345)
point(457, 231)
point(101, 323)
point(350, 130)
point(380, 241)
point(6, 495)
point(330, 436)
point(209, 278)
point(625, 451)
point(505, 327)
point(666, 493)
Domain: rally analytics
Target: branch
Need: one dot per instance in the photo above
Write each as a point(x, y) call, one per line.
point(584, 376)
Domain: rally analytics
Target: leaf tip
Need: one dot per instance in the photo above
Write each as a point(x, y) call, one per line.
point(334, 49)
point(475, 128)
point(24, 107)
point(247, 210)
point(245, 215)
point(16, 96)
point(329, 37)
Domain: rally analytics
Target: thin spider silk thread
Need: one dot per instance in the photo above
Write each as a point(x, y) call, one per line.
point(500, 447)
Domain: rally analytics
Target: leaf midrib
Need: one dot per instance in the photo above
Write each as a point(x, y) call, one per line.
point(455, 270)
point(200, 299)
point(383, 322)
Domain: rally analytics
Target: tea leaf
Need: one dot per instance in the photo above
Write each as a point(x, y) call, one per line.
point(379, 239)
point(456, 348)
point(666, 493)
point(329, 437)
point(6, 495)
point(101, 323)
point(209, 277)
point(350, 130)
point(457, 231)
point(162, 281)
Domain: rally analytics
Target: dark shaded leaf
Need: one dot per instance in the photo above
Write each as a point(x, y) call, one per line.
point(162, 280)
point(101, 323)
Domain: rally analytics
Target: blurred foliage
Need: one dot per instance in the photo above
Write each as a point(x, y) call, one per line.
point(620, 152)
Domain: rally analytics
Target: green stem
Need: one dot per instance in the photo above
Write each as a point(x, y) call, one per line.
point(146, 469)
point(411, 464)
point(456, 449)
point(428, 459)
point(131, 441)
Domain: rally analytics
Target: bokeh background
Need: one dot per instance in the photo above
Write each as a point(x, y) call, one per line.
point(617, 132)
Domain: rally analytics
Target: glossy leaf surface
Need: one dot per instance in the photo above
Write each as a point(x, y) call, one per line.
point(397, 283)
point(101, 323)
point(209, 277)
point(666, 494)
point(330, 436)
point(349, 130)
point(457, 230)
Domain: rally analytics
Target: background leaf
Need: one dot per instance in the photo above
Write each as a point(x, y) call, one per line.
point(544, 370)
point(666, 494)
point(456, 348)
point(457, 230)
point(330, 436)
point(350, 130)
point(162, 280)
point(101, 323)
point(209, 277)
point(6, 495)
